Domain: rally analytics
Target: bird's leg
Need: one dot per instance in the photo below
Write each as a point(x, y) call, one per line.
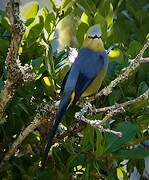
point(86, 108)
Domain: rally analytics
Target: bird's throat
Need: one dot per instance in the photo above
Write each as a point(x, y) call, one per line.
point(94, 44)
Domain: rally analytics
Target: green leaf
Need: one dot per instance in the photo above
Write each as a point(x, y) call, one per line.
point(33, 31)
point(104, 7)
point(38, 67)
point(49, 22)
point(4, 21)
point(134, 48)
point(88, 139)
point(140, 165)
point(115, 96)
point(43, 12)
point(135, 153)
point(23, 107)
point(88, 6)
point(29, 10)
point(109, 16)
point(99, 143)
point(61, 71)
point(138, 106)
point(67, 12)
point(81, 31)
point(1, 17)
point(53, 5)
point(36, 63)
point(64, 3)
point(143, 121)
point(1, 85)
point(4, 44)
point(114, 143)
point(138, 11)
point(86, 18)
point(120, 173)
point(142, 88)
point(76, 159)
point(103, 24)
point(45, 174)
point(117, 29)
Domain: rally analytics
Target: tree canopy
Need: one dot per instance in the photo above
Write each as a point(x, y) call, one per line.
point(36, 51)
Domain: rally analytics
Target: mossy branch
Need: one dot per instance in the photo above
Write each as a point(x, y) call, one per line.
point(15, 72)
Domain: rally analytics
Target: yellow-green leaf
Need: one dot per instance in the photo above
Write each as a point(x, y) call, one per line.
point(120, 173)
point(109, 17)
point(29, 10)
point(47, 81)
point(85, 18)
point(115, 54)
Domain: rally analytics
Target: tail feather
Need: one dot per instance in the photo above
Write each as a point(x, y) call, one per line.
point(62, 108)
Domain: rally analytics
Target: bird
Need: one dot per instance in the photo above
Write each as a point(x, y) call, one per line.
point(83, 79)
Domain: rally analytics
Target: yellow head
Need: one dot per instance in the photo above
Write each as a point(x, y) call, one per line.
point(92, 39)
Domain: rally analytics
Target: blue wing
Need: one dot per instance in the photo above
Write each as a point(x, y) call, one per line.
point(84, 70)
point(64, 81)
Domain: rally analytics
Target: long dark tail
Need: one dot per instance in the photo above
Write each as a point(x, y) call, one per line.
point(62, 108)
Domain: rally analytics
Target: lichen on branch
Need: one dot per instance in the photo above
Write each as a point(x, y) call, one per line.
point(16, 73)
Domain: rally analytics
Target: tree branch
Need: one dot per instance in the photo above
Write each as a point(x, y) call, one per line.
point(95, 123)
point(112, 111)
point(119, 108)
point(44, 114)
point(143, 97)
point(145, 60)
point(15, 72)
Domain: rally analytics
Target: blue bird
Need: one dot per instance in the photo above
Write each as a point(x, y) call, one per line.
point(83, 79)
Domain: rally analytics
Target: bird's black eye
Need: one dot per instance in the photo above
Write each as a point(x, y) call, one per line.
point(94, 37)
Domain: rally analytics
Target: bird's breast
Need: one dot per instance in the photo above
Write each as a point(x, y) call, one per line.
point(95, 85)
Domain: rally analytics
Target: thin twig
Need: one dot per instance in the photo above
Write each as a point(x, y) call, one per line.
point(113, 110)
point(119, 108)
point(95, 124)
point(143, 97)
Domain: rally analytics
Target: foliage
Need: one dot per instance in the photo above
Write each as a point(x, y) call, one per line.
point(124, 26)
